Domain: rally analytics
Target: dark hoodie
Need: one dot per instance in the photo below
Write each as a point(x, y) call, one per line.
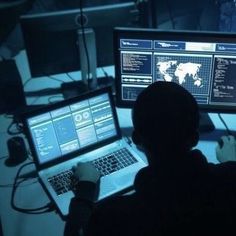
point(191, 197)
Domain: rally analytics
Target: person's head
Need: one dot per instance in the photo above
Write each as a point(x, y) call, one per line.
point(165, 119)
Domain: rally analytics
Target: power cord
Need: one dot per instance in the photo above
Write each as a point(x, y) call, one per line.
point(58, 98)
point(46, 208)
point(4, 157)
point(21, 181)
point(69, 76)
point(18, 128)
point(229, 132)
point(53, 78)
point(104, 72)
point(26, 82)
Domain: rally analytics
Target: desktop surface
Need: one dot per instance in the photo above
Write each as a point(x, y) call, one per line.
point(31, 195)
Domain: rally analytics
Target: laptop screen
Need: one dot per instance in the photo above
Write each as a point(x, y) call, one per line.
point(72, 127)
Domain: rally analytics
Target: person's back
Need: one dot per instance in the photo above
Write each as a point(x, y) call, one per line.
point(179, 192)
point(183, 206)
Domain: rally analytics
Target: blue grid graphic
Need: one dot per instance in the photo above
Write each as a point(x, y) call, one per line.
point(177, 61)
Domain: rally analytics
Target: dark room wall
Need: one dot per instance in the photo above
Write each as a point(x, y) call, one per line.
point(185, 14)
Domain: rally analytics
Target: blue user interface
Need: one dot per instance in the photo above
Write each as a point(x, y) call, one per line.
point(206, 69)
point(72, 127)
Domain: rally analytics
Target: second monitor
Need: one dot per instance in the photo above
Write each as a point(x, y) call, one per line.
point(53, 40)
point(202, 62)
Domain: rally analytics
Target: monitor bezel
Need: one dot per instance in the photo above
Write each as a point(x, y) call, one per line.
point(147, 33)
point(47, 108)
point(97, 18)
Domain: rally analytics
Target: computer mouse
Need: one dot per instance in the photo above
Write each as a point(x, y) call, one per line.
point(17, 151)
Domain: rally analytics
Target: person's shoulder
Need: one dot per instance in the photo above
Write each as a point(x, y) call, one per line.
point(223, 167)
point(224, 171)
point(116, 202)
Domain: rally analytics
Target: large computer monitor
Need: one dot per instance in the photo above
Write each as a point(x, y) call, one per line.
point(202, 62)
point(51, 39)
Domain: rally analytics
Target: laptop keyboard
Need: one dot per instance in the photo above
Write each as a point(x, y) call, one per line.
point(106, 165)
point(114, 161)
point(62, 182)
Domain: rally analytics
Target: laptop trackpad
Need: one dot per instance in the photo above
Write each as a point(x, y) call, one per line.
point(125, 180)
point(107, 187)
point(110, 186)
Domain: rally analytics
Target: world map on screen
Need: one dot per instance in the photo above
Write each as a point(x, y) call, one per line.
point(182, 72)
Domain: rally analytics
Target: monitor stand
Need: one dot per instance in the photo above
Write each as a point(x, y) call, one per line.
point(73, 89)
point(206, 124)
point(87, 82)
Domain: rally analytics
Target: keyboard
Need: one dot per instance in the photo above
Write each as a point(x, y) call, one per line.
point(114, 161)
point(62, 182)
point(106, 165)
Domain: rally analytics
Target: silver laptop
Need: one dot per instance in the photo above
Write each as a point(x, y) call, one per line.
point(80, 129)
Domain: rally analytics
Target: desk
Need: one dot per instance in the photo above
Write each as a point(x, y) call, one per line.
point(31, 194)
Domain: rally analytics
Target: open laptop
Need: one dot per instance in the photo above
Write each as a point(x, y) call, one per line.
point(80, 129)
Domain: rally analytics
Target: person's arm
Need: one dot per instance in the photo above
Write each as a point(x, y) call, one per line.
point(226, 149)
point(81, 206)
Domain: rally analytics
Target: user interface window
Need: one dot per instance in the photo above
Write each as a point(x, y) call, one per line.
point(72, 127)
point(206, 69)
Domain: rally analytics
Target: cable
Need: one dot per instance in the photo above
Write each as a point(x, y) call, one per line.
point(56, 96)
point(46, 208)
point(21, 181)
point(3, 157)
point(35, 100)
point(41, 92)
point(224, 123)
point(84, 42)
point(18, 128)
point(30, 156)
point(26, 82)
point(51, 77)
point(70, 77)
point(104, 72)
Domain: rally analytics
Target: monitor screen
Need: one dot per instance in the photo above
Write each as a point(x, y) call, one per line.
point(51, 39)
point(202, 62)
point(72, 126)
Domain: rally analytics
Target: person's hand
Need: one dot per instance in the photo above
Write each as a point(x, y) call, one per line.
point(226, 151)
point(86, 172)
